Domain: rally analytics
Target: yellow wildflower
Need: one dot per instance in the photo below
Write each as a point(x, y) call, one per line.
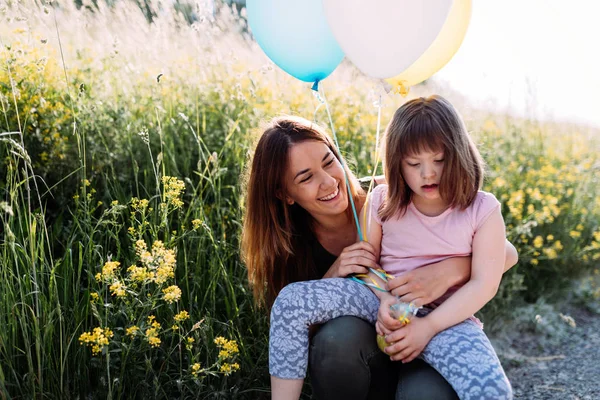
point(182, 316)
point(196, 223)
point(172, 294)
point(195, 369)
point(132, 330)
point(97, 339)
point(118, 289)
point(227, 368)
point(538, 242)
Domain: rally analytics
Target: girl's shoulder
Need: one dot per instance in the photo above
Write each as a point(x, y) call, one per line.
point(379, 193)
point(483, 206)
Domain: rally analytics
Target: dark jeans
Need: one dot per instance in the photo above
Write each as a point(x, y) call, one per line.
point(345, 363)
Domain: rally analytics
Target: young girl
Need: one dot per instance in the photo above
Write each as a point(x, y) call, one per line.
point(430, 210)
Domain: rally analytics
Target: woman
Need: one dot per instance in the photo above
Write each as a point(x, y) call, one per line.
point(299, 226)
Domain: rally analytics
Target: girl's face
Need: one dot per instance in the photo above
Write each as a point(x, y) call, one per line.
point(315, 179)
point(422, 173)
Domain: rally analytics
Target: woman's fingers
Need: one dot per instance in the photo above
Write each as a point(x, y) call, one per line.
point(412, 298)
point(399, 285)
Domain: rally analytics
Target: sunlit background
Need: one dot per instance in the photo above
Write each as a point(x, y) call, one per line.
point(533, 58)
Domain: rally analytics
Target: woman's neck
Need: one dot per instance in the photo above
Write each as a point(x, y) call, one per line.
point(335, 234)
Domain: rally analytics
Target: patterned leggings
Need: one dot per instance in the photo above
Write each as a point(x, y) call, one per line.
point(462, 354)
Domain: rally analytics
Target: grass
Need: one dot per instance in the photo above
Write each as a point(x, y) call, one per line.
point(101, 112)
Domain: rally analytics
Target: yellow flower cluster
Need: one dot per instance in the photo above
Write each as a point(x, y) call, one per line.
point(160, 262)
point(172, 294)
point(229, 348)
point(196, 369)
point(182, 316)
point(173, 188)
point(139, 274)
point(139, 205)
point(108, 271)
point(189, 343)
point(196, 223)
point(227, 368)
point(152, 332)
point(132, 331)
point(97, 339)
point(118, 289)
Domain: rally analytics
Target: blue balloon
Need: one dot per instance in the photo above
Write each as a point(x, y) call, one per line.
point(295, 36)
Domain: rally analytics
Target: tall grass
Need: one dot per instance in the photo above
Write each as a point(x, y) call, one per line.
point(98, 110)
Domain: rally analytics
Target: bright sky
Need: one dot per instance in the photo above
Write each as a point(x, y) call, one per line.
point(536, 58)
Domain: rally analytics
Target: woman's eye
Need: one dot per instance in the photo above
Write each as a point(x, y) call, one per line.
point(329, 162)
point(439, 161)
point(306, 179)
point(413, 165)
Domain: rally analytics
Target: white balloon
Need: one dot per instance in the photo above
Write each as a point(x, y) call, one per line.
point(384, 37)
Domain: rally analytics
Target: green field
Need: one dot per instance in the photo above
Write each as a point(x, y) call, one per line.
point(122, 151)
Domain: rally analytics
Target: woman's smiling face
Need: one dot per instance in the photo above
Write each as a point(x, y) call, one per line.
point(315, 179)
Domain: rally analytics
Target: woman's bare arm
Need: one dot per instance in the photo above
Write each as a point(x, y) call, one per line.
point(426, 284)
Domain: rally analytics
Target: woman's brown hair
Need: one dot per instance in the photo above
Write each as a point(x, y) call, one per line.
point(430, 124)
point(276, 237)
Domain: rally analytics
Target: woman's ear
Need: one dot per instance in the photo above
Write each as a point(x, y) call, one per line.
point(283, 197)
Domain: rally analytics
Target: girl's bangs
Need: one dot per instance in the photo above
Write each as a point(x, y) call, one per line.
point(421, 134)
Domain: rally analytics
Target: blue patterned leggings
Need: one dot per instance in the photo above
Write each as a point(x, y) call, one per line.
point(462, 354)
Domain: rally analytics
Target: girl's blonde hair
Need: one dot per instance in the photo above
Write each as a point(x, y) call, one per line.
point(276, 237)
point(430, 124)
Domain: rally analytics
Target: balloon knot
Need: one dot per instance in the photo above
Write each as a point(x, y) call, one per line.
point(401, 88)
point(315, 86)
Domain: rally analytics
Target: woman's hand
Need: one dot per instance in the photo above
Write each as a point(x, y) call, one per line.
point(355, 259)
point(427, 284)
point(410, 340)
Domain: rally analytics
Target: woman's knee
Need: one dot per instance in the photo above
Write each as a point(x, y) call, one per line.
point(344, 347)
point(343, 338)
point(418, 380)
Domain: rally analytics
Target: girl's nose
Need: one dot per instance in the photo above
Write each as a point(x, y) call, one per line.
point(427, 172)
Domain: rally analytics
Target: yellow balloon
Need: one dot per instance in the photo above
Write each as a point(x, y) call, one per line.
point(440, 52)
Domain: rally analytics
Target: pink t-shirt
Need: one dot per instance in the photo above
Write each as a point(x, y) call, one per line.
point(415, 240)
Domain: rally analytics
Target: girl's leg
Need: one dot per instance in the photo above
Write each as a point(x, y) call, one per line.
point(302, 304)
point(464, 356)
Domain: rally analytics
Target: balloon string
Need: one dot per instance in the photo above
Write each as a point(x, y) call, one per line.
point(372, 183)
point(324, 100)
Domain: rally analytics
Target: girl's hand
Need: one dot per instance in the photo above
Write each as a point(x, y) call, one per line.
point(410, 340)
point(427, 284)
point(385, 322)
point(355, 259)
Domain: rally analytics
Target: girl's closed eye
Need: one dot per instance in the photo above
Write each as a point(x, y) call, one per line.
point(330, 162)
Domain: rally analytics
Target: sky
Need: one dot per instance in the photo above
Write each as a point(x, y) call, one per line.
point(533, 58)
